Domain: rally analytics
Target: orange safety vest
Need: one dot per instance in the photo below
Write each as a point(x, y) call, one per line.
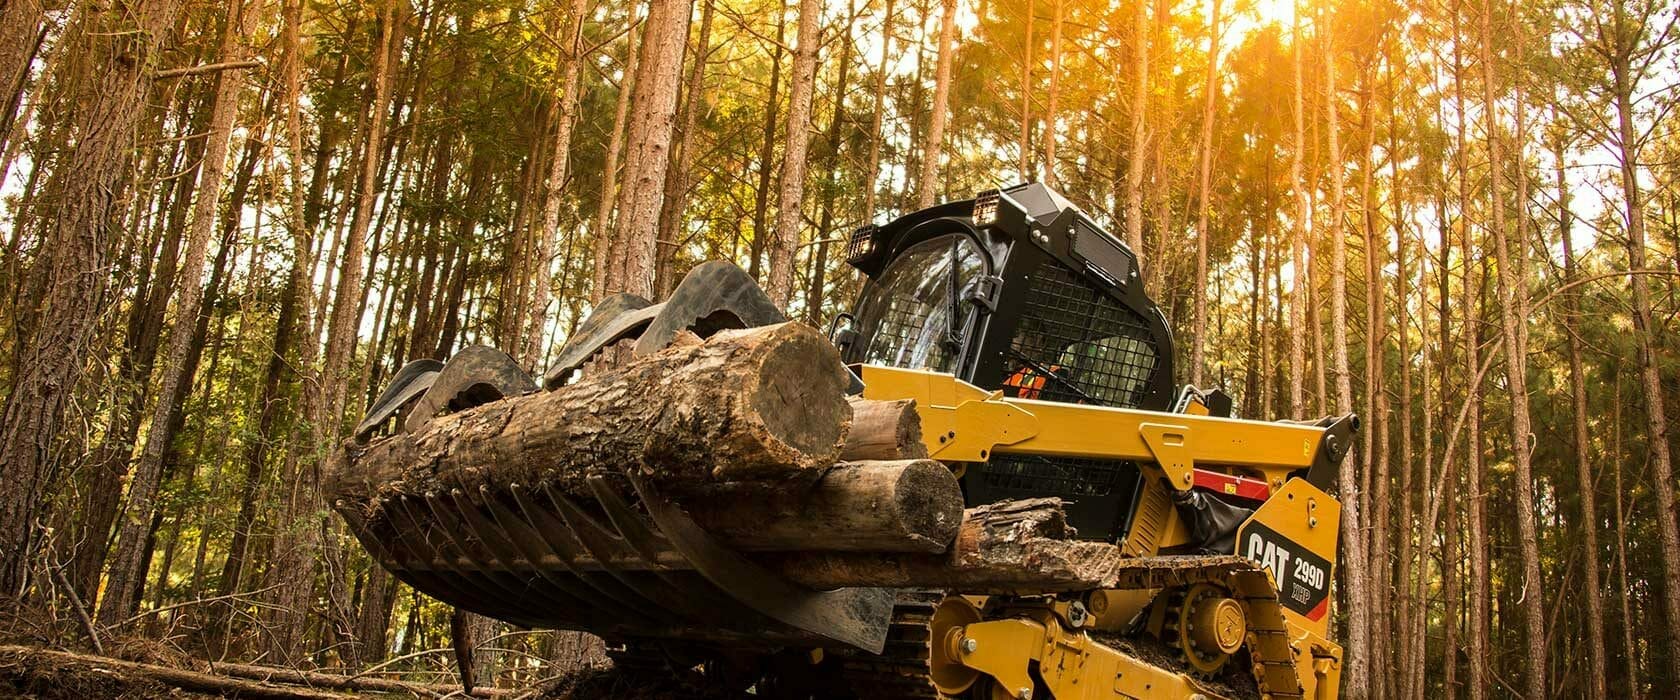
point(1028, 382)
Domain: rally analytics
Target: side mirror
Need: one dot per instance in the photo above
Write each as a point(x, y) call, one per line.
point(842, 331)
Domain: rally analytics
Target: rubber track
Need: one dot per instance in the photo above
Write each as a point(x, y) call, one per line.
point(902, 671)
point(1268, 637)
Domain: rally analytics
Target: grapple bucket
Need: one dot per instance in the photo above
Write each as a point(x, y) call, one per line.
point(620, 561)
point(623, 568)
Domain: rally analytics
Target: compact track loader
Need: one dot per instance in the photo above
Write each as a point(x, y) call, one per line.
point(1041, 373)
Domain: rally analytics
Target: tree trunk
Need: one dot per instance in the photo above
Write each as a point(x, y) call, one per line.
point(1513, 296)
point(927, 185)
point(142, 335)
point(677, 179)
point(531, 352)
point(1298, 235)
point(1354, 574)
point(883, 430)
point(1376, 475)
point(1644, 330)
point(1024, 146)
point(607, 243)
point(21, 36)
point(1204, 179)
point(1586, 486)
point(1140, 135)
point(875, 506)
point(1477, 623)
point(1630, 652)
point(790, 210)
point(647, 147)
point(748, 404)
point(293, 557)
point(51, 362)
point(292, 316)
point(767, 148)
point(872, 174)
point(1401, 625)
point(1050, 136)
point(148, 473)
point(814, 296)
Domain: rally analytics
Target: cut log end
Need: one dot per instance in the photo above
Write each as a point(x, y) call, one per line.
point(798, 384)
point(924, 504)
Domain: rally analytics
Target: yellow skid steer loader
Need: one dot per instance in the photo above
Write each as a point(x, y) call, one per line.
point(1039, 369)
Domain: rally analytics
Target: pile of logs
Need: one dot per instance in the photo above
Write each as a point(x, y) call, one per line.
point(751, 433)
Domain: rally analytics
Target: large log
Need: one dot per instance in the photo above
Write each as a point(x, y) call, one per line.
point(897, 506)
point(761, 403)
point(884, 430)
point(1002, 548)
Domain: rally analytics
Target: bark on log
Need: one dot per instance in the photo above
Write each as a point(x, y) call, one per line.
point(884, 430)
point(1002, 548)
point(898, 506)
point(762, 403)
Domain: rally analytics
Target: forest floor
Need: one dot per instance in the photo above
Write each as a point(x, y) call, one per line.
point(44, 656)
point(46, 674)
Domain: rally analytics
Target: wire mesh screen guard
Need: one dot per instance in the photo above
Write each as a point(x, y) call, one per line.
point(1083, 345)
point(1098, 493)
point(1058, 476)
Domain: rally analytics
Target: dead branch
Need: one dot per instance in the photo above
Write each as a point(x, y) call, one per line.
point(205, 68)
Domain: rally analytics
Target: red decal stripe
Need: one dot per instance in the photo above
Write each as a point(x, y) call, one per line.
point(1241, 487)
point(1319, 610)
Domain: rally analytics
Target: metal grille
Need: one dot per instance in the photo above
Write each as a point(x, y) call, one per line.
point(862, 243)
point(1077, 344)
point(1058, 476)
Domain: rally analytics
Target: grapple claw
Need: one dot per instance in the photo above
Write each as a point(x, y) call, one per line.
point(714, 296)
point(617, 317)
point(473, 377)
point(406, 385)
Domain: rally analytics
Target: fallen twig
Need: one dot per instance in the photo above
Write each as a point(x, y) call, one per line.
point(81, 610)
point(175, 677)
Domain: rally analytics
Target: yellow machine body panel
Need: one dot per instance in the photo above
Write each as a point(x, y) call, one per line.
point(964, 423)
point(1294, 536)
point(1282, 616)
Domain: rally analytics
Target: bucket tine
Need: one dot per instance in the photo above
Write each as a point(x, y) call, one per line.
point(471, 586)
point(664, 585)
point(610, 553)
point(647, 541)
point(624, 519)
point(498, 574)
point(532, 553)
